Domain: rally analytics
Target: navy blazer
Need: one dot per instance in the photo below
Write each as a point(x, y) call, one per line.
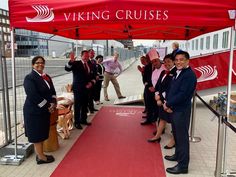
point(181, 90)
point(164, 85)
point(80, 77)
point(147, 75)
point(38, 94)
point(93, 64)
point(100, 71)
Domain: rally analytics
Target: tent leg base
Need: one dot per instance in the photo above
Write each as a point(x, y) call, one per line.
point(194, 139)
point(12, 160)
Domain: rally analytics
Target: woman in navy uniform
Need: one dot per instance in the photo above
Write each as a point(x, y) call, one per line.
point(39, 104)
point(161, 88)
point(100, 72)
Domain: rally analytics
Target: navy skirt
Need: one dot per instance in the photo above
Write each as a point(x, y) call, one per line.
point(36, 126)
point(164, 115)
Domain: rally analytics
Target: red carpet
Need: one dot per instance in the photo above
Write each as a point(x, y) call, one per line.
point(115, 145)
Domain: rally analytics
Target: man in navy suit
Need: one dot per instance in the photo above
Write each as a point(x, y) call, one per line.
point(178, 103)
point(83, 81)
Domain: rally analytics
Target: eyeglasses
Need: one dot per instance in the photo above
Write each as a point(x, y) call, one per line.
point(37, 63)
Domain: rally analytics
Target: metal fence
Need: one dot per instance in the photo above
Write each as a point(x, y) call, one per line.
point(56, 53)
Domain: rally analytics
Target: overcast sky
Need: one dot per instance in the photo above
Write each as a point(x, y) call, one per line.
point(4, 5)
point(144, 42)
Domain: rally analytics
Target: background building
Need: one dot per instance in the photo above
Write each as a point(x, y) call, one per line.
point(31, 43)
point(5, 36)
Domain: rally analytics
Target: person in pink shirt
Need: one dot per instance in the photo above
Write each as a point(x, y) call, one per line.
point(112, 70)
point(157, 68)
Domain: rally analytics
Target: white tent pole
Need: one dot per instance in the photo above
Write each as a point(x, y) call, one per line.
point(228, 94)
point(14, 87)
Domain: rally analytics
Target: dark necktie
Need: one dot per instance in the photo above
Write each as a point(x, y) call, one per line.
point(167, 72)
point(45, 77)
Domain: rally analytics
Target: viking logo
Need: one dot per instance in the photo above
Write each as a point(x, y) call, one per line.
point(43, 14)
point(207, 73)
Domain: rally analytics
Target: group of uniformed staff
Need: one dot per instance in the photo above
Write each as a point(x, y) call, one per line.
point(168, 90)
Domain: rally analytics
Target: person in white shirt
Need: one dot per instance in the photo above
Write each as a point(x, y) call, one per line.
point(110, 74)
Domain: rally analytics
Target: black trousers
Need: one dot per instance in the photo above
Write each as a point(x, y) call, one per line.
point(91, 98)
point(97, 90)
point(151, 106)
point(145, 97)
point(180, 121)
point(80, 106)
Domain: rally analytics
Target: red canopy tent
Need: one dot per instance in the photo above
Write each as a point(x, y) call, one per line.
point(122, 19)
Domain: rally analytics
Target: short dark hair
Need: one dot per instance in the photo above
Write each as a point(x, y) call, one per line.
point(169, 56)
point(98, 56)
point(90, 50)
point(147, 57)
point(186, 54)
point(36, 58)
point(83, 51)
point(143, 57)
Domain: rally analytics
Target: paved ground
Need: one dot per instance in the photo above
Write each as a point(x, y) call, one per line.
point(203, 154)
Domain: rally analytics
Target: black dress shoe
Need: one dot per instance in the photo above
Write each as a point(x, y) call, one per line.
point(78, 126)
point(86, 123)
point(171, 157)
point(145, 123)
point(95, 109)
point(50, 159)
point(169, 147)
point(154, 140)
point(177, 170)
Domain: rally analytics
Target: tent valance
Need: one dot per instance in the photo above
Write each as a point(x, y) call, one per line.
point(122, 19)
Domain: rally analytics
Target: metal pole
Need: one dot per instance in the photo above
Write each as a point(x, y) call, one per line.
point(107, 48)
point(7, 98)
point(187, 46)
point(228, 95)
point(17, 160)
point(14, 88)
point(193, 118)
point(72, 46)
point(3, 101)
point(220, 147)
point(76, 49)
point(47, 48)
point(13, 159)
